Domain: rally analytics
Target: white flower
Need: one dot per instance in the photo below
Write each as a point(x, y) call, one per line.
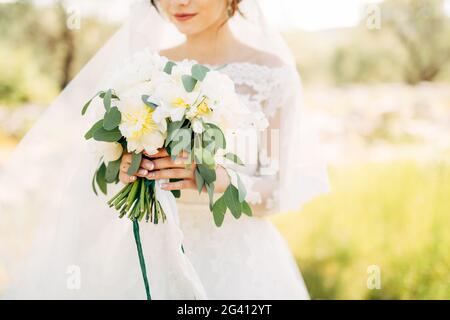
point(228, 111)
point(141, 67)
point(109, 151)
point(180, 69)
point(221, 93)
point(172, 99)
point(138, 125)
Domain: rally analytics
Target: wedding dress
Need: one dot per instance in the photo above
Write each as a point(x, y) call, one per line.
point(60, 241)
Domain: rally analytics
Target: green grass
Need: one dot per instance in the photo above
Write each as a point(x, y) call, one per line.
point(393, 215)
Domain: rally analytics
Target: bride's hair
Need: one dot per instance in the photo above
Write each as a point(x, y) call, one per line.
point(233, 7)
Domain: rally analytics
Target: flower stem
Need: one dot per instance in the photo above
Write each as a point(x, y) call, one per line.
point(124, 190)
point(132, 195)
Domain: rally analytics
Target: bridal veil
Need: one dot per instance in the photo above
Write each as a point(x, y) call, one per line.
point(54, 231)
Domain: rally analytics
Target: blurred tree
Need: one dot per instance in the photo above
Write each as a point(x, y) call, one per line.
point(423, 29)
point(67, 41)
point(360, 62)
point(364, 56)
point(26, 39)
point(39, 54)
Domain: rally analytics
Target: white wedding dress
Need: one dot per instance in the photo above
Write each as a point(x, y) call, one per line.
point(246, 258)
point(60, 241)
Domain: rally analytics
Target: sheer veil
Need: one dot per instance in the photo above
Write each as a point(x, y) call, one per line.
point(54, 231)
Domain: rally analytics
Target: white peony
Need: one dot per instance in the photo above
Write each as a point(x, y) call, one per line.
point(109, 151)
point(172, 99)
point(141, 67)
point(180, 69)
point(138, 125)
point(221, 93)
point(227, 109)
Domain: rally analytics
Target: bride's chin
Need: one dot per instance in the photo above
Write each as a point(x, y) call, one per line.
point(188, 29)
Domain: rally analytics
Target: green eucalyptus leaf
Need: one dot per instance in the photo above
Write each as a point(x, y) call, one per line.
point(113, 96)
point(208, 158)
point(198, 155)
point(204, 155)
point(246, 209)
point(176, 193)
point(175, 125)
point(112, 171)
point(208, 174)
point(172, 130)
point(135, 163)
point(232, 200)
point(169, 66)
point(149, 104)
point(214, 135)
point(94, 179)
point(219, 210)
point(232, 157)
point(209, 145)
point(210, 190)
point(101, 179)
point(86, 106)
point(90, 134)
point(180, 141)
point(199, 180)
point(197, 151)
point(112, 119)
point(188, 82)
point(199, 72)
point(107, 100)
point(107, 135)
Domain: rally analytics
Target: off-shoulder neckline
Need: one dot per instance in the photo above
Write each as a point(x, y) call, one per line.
point(235, 63)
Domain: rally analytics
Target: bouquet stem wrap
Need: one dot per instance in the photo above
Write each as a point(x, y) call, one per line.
point(169, 234)
point(137, 238)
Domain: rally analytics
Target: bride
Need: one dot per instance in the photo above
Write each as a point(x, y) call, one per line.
point(60, 241)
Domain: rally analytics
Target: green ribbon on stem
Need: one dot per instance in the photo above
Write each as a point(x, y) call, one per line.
point(137, 237)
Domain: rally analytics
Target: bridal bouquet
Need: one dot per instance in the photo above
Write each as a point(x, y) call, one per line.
point(154, 103)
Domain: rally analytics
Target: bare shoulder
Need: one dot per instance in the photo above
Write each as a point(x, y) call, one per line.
point(259, 57)
point(245, 54)
point(173, 53)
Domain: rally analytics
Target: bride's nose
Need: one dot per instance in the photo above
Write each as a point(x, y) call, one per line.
point(181, 2)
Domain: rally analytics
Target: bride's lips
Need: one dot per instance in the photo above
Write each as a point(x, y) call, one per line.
point(184, 16)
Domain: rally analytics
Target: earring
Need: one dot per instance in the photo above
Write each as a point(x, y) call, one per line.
point(230, 8)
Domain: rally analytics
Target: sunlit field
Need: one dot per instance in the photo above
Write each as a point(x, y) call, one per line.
point(392, 215)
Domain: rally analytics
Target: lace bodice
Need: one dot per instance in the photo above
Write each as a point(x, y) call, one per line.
point(260, 86)
point(265, 89)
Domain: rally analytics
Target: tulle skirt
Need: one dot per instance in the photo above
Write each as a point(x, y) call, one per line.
point(243, 259)
point(80, 249)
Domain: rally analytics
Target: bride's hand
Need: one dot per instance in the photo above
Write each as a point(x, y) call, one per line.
point(162, 166)
point(125, 164)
